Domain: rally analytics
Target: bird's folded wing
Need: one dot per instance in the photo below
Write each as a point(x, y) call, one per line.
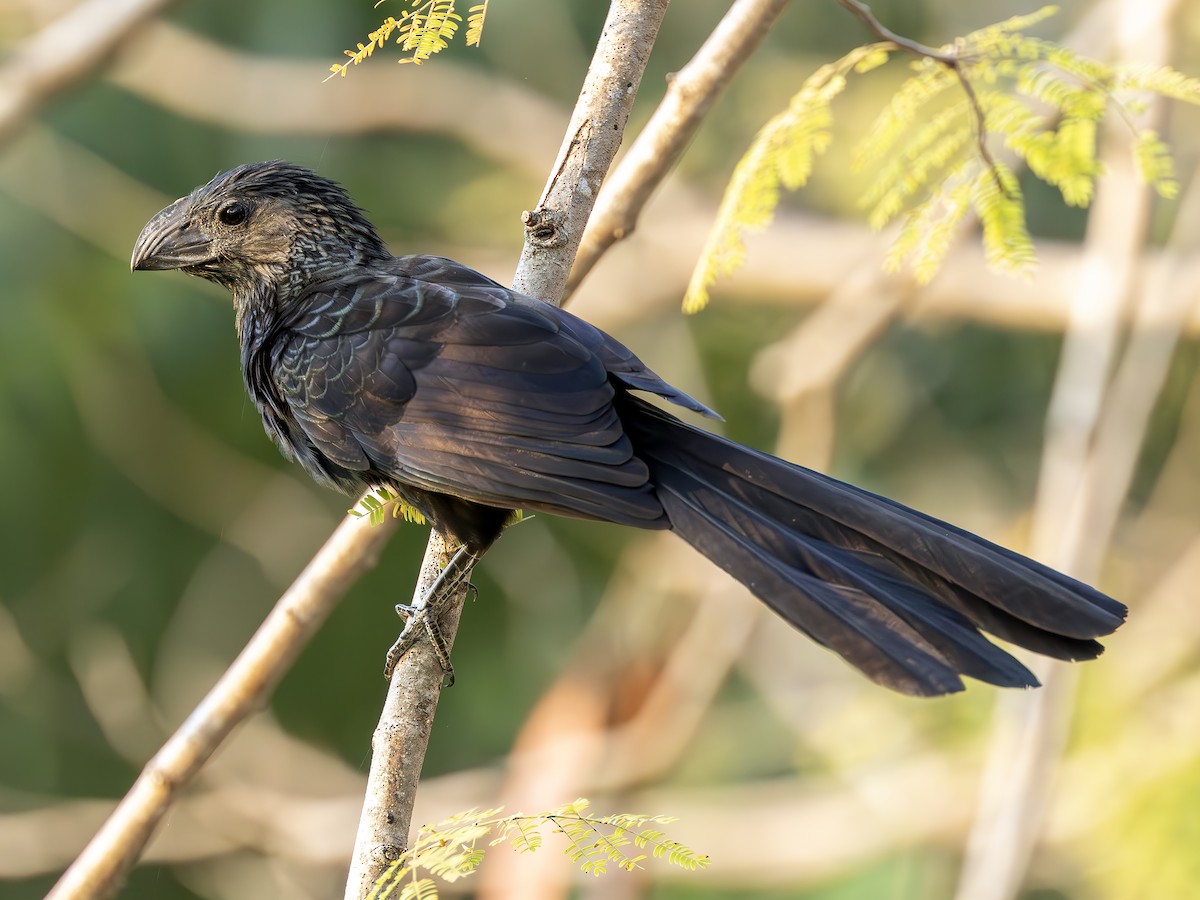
point(457, 389)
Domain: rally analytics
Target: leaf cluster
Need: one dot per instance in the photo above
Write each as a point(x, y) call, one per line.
point(376, 504)
point(454, 848)
point(932, 146)
point(421, 31)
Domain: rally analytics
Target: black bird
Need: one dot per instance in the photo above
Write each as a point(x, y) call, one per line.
point(470, 400)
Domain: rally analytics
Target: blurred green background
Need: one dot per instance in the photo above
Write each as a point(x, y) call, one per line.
point(148, 524)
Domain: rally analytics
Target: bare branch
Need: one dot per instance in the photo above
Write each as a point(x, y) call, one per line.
point(243, 689)
point(65, 53)
point(553, 231)
point(691, 94)
point(399, 743)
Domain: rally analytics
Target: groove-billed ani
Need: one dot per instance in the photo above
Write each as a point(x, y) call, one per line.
point(470, 400)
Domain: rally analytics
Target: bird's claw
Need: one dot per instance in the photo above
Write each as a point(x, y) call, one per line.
point(419, 620)
point(424, 616)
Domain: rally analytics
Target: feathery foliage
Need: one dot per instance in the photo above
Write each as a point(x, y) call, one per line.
point(781, 156)
point(454, 848)
point(475, 19)
point(421, 31)
point(375, 506)
point(931, 147)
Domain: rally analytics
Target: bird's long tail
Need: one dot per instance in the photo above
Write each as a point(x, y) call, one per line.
point(898, 594)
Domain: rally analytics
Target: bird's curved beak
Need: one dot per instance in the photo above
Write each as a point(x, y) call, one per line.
point(171, 240)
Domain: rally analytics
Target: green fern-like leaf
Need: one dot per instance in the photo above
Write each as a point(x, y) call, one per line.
point(427, 27)
point(376, 504)
point(418, 889)
point(522, 834)
point(433, 27)
point(386, 884)
point(930, 227)
point(452, 849)
point(913, 97)
point(475, 19)
point(647, 837)
point(933, 153)
point(1161, 80)
point(781, 156)
point(375, 39)
point(927, 156)
point(1013, 25)
point(996, 198)
point(1048, 86)
point(1155, 164)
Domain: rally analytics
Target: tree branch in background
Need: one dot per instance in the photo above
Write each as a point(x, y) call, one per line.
point(64, 53)
point(553, 231)
point(1030, 730)
point(100, 870)
point(968, 273)
point(206, 81)
point(690, 95)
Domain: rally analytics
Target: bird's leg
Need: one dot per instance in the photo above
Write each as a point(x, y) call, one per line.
point(424, 614)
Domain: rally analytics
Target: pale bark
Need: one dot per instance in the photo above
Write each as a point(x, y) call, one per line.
point(552, 233)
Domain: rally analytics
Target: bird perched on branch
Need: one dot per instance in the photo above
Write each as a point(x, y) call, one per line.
point(470, 400)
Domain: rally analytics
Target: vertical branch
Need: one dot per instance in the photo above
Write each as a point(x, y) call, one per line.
point(400, 740)
point(552, 234)
point(1030, 729)
point(553, 230)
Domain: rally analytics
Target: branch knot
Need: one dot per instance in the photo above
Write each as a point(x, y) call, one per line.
point(543, 228)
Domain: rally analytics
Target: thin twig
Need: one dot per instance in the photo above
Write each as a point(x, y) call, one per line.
point(953, 61)
point(886, 34)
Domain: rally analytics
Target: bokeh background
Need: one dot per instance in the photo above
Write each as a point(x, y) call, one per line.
point(147, 525)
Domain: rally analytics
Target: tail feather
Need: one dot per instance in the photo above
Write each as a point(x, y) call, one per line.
point(926, 645)
point(898, 594)
point(1008, 627)
point(847, 621)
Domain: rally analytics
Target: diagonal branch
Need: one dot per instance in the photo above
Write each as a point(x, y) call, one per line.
point(690, 95)
point(64, 53)
point(100, 870)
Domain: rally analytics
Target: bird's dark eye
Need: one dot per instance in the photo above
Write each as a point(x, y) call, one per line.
point(233, 213)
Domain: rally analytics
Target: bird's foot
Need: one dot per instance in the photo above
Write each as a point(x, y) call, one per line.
point(422, 617)
point(418, 620)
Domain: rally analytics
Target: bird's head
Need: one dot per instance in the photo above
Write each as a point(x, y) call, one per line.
point(263, 225)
